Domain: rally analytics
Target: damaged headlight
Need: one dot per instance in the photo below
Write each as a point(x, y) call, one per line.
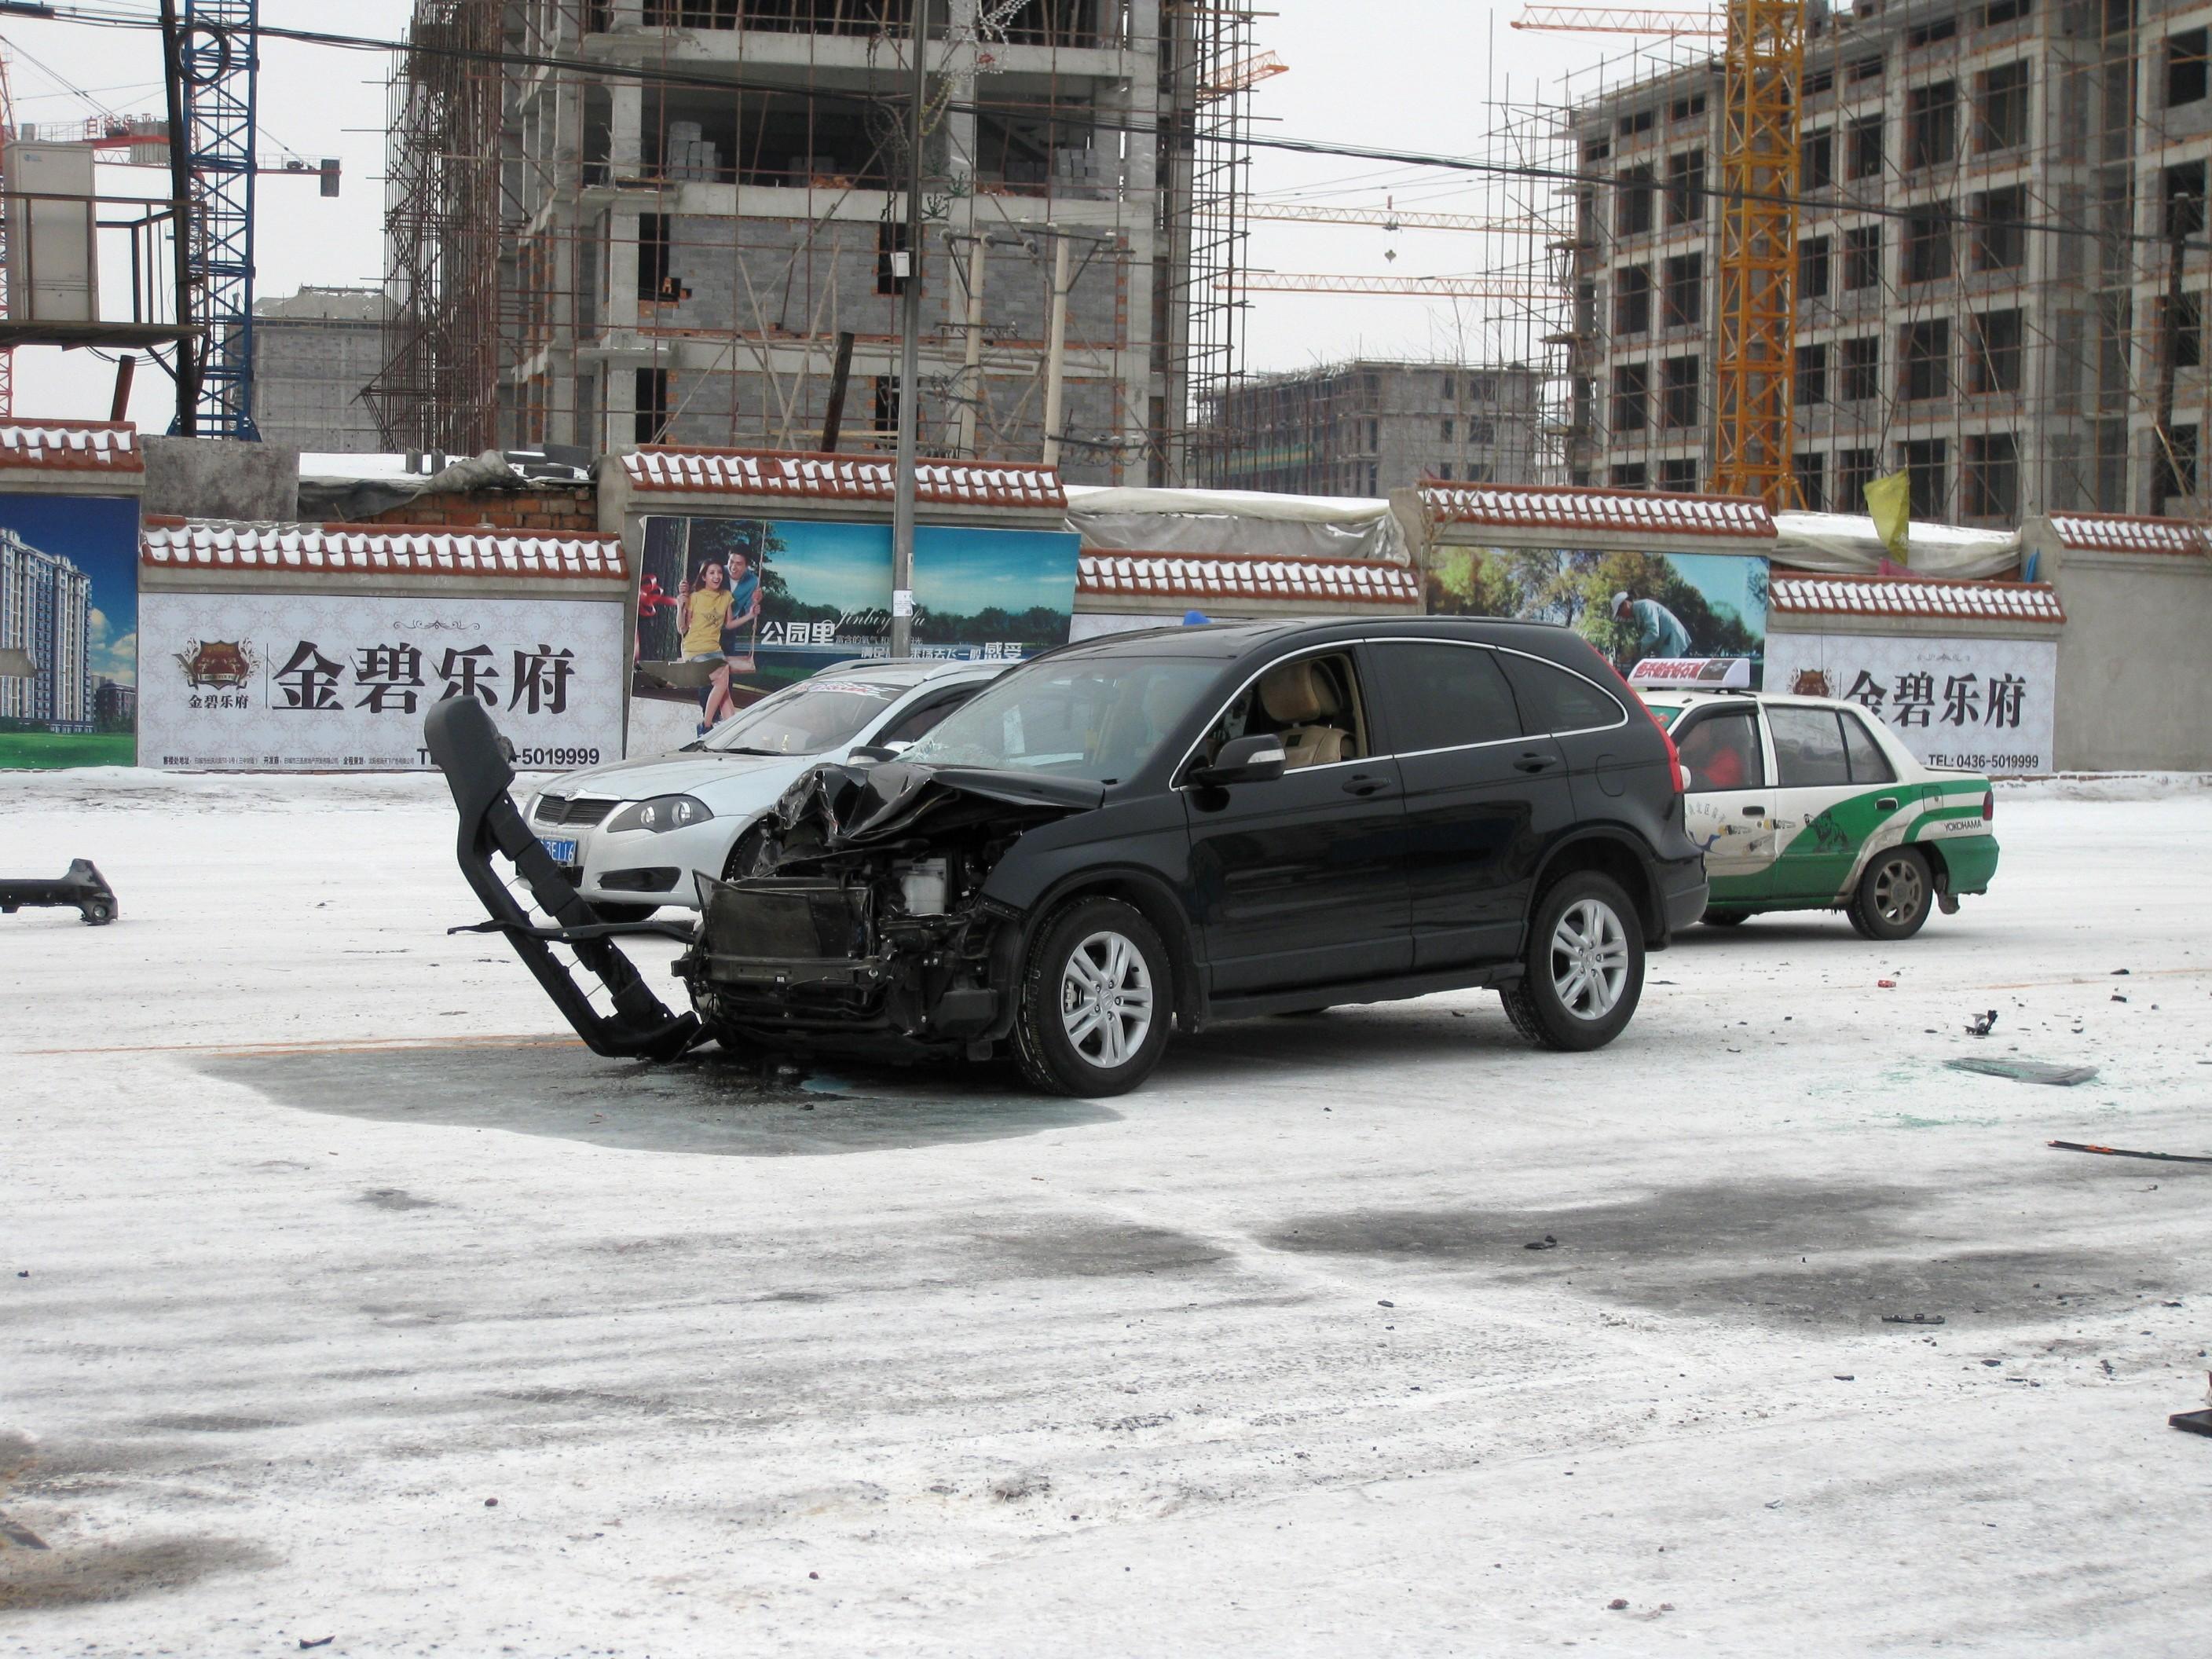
point(661, 812)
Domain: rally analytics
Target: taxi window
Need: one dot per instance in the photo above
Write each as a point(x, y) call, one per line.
point(1808, 747)
point(1868, 764)
point(1722, 750)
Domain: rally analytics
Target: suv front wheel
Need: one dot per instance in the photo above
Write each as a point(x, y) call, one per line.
point(1097, 998)
point(1583, 969)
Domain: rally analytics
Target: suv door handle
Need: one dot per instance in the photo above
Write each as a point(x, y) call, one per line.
point(1361, 784)
point(1536, 761)
point(1754, 812)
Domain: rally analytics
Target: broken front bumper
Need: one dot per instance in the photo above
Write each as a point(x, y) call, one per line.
point(807, 957)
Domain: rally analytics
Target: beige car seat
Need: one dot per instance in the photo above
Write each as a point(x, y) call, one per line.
point(1298, 698)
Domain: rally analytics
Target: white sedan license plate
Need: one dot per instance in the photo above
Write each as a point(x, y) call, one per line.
point(563, 852)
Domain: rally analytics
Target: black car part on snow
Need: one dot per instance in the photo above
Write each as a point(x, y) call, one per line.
point(469, 749)
point(83, 887)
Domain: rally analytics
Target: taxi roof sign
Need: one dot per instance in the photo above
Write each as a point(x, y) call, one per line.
point(1698, 673)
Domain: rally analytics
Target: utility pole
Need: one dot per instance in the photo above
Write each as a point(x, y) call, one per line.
point(1055, 352)
point(909, 383)
point(180, 219)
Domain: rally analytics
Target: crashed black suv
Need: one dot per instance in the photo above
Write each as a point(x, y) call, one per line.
point(1160, 831)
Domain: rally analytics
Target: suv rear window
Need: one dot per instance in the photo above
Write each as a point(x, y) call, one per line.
point(1553, 700)
point(1443, 696)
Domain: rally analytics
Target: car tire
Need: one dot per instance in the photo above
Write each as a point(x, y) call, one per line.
point(1725, 918)
point(1081, 1029)
point(612, 913)
point(1584, 969)
point(1895, 893)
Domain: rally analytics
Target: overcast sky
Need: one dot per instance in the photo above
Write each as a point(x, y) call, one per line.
point(1416, 73)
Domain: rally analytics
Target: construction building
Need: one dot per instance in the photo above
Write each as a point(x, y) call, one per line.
point(615, 222)
point(1991, 290)
point(1367, 427)
point(45, 609)
point(315, 354)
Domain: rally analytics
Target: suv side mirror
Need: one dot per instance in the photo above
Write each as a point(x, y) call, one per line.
point(1242, 760)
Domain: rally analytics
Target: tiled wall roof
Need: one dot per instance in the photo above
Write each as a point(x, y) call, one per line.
point(842, 477)
point(1334, 582)
point(71, 445)
point(369, 550)
point(1878, 596)
point(1566, 508)
point(2121, 532)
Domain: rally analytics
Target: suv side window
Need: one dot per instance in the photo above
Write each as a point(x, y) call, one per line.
point(926, 714)
point(1721, 748)
point(1313, 701)
point(1553, 700)
point(1868, 764)
point(1808, 747)
point(1444, 696)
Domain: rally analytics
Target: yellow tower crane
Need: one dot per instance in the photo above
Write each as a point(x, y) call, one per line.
point(1755, 359)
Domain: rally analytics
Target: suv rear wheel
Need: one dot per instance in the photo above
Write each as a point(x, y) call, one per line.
point(1096, 1000)
point(1584, 968)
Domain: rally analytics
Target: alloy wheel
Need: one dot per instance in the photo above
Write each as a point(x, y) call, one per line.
point(1106, 998)
point(1590, 959)
point(1898, 891)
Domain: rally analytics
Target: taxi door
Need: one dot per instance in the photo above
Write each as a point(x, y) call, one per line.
point(1727, 806)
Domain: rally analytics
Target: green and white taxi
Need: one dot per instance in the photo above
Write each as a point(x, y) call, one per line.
point(1807, 804)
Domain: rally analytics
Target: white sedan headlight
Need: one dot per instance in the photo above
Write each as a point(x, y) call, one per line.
point(662, 812)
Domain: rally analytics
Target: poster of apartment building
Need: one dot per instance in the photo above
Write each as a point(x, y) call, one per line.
point(68, 624)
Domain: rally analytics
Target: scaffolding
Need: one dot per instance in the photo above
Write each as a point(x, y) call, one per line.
point(679, 220)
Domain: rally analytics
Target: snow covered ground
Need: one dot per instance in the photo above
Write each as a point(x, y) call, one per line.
point(345, 1295)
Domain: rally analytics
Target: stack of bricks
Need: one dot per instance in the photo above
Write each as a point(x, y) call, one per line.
point(545, 507)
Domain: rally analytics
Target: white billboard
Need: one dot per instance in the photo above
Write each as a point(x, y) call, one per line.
point(331, 682)
point(1985, 704)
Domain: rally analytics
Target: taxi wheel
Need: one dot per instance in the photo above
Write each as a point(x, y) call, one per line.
point(1894, 895)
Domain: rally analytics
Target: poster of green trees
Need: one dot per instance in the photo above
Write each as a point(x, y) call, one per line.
point(1629, 606)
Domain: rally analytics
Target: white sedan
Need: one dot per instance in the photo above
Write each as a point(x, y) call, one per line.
point(632, 834)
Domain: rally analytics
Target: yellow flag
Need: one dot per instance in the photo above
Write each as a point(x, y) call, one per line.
point(1890, 500)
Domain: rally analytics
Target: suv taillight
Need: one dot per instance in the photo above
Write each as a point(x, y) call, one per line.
point(1989, 806)
point(1673, 755)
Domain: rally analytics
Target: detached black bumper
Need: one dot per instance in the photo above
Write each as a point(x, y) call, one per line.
point(467, 748)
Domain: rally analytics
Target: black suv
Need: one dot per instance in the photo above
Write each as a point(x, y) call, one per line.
point(1172, 828)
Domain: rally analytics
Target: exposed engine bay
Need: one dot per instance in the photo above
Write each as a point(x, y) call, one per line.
point(867, 912)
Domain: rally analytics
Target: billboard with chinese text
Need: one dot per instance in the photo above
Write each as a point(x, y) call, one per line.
point(729, 610)
point(1629, 606)
point(1985, 704)
point(315, 681)
point(69, 615)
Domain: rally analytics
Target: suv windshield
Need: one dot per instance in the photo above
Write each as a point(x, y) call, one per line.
point(805, 719)
point(1100, 719)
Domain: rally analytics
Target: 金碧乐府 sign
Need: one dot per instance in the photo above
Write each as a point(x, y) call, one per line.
point(1983, 704)
point(277, 682)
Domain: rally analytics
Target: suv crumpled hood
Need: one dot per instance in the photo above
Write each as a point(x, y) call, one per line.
point(836, 807)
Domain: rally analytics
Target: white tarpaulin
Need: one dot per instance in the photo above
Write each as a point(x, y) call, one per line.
point(1986, 704)
point(328, 681)
point(1200, 522)
point(1845, 544)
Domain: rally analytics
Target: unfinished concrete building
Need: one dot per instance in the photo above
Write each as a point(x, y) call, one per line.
point(1992, 292)
point(1368, 426)
point(656, 219)
point(315, 354)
